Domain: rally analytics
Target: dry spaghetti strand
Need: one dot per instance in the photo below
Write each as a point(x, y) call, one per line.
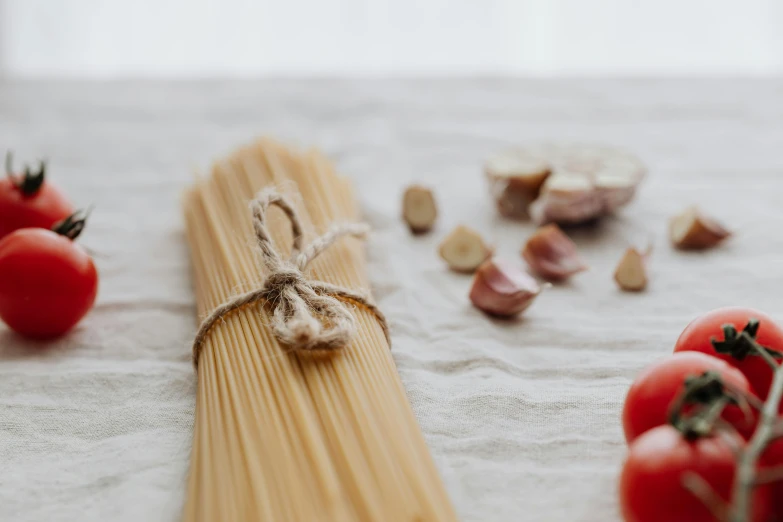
point(283, 436)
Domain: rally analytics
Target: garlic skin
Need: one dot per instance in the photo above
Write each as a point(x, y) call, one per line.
point(692, 230)
point(419, 209)
point(631, 273)
point(464, 250)
point(502, 289)
point(551, 254)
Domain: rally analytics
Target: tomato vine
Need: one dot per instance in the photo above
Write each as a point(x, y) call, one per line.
point(713, 396)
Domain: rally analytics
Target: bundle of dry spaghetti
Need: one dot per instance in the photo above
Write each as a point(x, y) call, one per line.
point(287, 435)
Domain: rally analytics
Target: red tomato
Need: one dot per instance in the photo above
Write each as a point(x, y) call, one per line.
point(47, 283)
point(698, 334)
point(651, 487)
point(650, 397)
point(28, 201)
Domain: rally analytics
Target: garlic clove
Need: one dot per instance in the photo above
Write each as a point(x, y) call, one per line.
point(515, 180)
point(586, 182)
point(615, 186)
point(551, 254)
point(419, 209)
point(693, 230)
point(567, 198)
point(502, 289)
point(464, 249)
point(631, 272)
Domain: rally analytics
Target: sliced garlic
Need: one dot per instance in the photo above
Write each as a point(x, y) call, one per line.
point(419, 209)
point(693, 230)
point(503, 289)
point(464, 249)
point(631, 272)
point(551, 254)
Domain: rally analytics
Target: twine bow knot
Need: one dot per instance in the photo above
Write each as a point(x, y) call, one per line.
point(307, 314)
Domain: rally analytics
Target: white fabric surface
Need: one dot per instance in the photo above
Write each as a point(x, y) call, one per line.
point(522, 417)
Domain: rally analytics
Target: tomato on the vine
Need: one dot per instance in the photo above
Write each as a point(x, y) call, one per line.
point(772, 458)
point(651, 483)
point(698, 336)
point(27, 200)
point(651, 396)
point(47, 282)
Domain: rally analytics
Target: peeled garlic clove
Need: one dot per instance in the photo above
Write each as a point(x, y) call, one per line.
point(503, 289)
point(419, 209)
point(464, 249)
point(551, 254)
point(515, 180)
point(693, 230)
point(631, 272)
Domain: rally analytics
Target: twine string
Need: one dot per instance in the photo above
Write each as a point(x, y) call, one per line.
point(306, 314)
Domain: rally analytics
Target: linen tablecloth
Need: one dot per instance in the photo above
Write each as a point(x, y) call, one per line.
point(521, 416)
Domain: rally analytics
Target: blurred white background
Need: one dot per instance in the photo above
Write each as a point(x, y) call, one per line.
point(203, 38)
